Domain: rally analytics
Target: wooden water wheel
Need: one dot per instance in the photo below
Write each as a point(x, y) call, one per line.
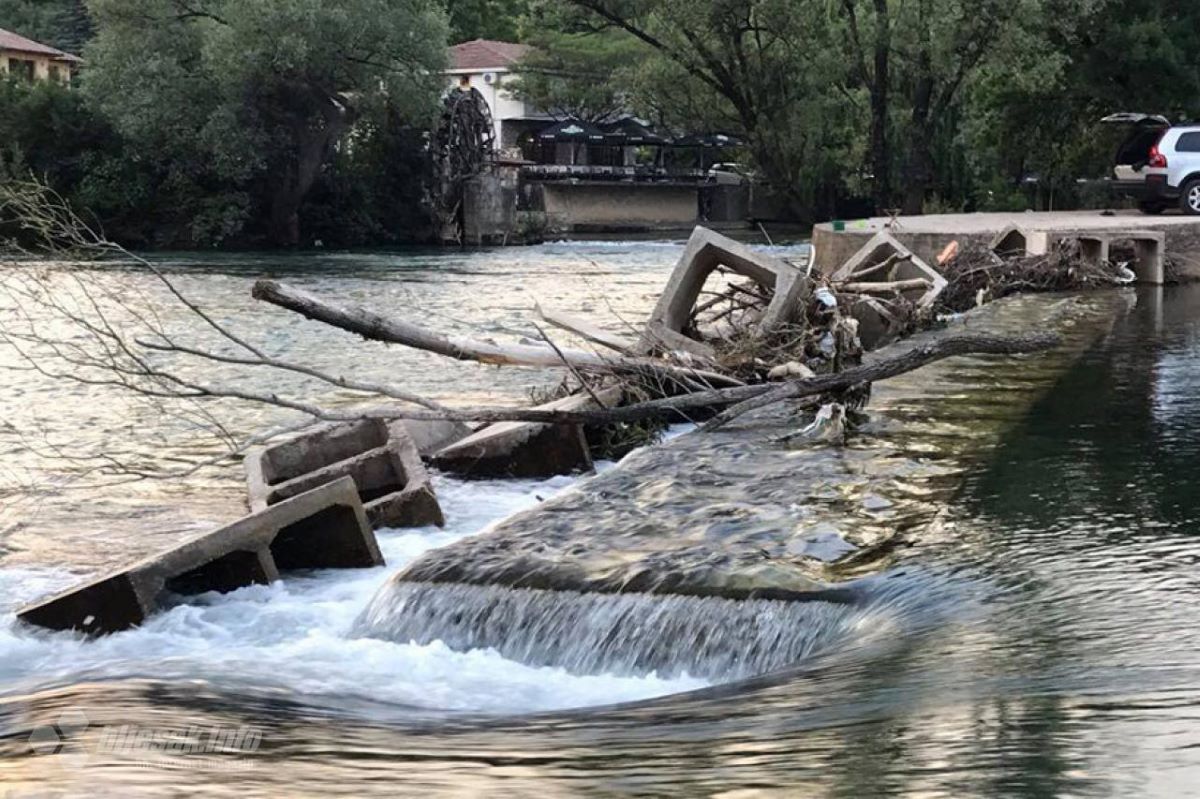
point(463, 146)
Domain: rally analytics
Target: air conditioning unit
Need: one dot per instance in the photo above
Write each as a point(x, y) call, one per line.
point(489, 78)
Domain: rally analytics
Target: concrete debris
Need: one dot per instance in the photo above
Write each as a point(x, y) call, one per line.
point(325, 528)
point(707, 251)
point(526, 449)
point(382, 457)
point(588, 331)
point(883, 272)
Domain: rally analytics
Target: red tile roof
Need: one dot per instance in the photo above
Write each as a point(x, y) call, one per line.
point(483, 54)
point(11, 41)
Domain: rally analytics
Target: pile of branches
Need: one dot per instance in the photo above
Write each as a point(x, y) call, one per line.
point(822, 337)
point(977, 275)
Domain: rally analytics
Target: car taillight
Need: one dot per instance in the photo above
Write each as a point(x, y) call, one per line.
point(1157, 159)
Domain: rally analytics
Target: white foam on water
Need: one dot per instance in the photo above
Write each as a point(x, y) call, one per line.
point(291, 636)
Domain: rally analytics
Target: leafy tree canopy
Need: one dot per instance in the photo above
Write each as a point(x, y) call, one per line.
point(245, 103)
point(59, 23)
point(485, 19)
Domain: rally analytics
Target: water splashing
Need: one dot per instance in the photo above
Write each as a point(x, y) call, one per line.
point(628, 634)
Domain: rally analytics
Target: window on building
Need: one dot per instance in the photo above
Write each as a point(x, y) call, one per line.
point(56, 73)
point(1189, 143)
point(21, 69)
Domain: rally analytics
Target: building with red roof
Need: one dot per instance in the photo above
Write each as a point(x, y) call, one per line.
point(489, 66)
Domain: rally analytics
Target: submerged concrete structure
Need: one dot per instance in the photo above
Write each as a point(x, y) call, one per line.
point(325, 528)
point(706, 251)
point(382, 457)
point(927, 236)
point(526, 449)
point(749, 543)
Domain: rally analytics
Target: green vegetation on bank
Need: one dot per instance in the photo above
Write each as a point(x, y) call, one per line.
point(239, 122)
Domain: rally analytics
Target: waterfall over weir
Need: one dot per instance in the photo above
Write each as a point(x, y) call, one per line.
point(628, 634)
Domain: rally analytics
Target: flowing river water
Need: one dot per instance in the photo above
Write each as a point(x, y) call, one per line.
point(1039, 640)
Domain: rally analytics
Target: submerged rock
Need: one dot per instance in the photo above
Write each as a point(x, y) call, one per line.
point(824, 543)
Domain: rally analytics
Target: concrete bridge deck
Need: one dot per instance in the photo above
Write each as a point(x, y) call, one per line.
point(927, 236)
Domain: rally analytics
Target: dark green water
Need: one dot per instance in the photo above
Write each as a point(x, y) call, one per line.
point(1055, 652)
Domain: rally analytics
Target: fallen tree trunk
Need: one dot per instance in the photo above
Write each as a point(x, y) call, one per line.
point(743, 398)
point(371, 325)
point(885, 288)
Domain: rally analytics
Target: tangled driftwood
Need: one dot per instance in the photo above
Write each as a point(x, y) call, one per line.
point(977, 275)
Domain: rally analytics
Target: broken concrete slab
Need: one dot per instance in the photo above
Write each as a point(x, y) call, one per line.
point(430, 436)
point(526, 449)
point(382, 457)
point(705, 252)
point(325, 528)
point(696, 516)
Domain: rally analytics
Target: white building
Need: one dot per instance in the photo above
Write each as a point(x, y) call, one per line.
point(488, 66)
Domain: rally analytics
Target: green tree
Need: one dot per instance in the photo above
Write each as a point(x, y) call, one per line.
point(239, 106)
point(589, 75)
point(761, 69)
point(485, 19)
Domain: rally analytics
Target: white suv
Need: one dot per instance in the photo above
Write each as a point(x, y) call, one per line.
point(1158, 163)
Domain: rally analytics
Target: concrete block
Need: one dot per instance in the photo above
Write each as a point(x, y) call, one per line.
point(876, 326)
point(1093, 248)
point(323, 528)
point(1148, 260)
point(382, 457)
point(526, 449)
point(705, 252)
point(883, 246)
point(1018, 241)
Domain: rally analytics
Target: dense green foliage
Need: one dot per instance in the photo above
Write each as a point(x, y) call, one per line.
point(485, 19)
point(223, 121)
point(944, 102)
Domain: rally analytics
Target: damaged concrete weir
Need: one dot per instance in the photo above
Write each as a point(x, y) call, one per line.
point(382, 457)
point(321, 529)
point(929, 235)
point(741, 513)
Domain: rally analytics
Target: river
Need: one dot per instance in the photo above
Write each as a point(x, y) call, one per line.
point(1056, 653)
